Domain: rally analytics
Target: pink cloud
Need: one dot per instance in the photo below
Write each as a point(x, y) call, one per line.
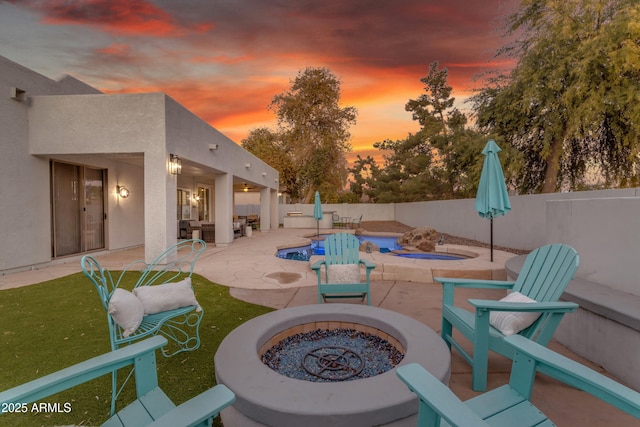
point(127, 17)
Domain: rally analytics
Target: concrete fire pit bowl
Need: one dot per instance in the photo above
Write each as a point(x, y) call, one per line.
point(266, 398)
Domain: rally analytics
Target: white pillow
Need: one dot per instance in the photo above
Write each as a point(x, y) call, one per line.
point(343, 273)
point(157, 298)
point(511, 322)
point(126, 310)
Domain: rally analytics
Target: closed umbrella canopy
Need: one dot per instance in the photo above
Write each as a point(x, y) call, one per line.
point(317, 211)
point(492, 199)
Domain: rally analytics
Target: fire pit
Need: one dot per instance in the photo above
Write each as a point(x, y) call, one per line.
point(266, 397)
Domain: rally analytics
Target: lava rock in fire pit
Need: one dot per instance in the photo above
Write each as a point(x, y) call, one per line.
point(334, 355)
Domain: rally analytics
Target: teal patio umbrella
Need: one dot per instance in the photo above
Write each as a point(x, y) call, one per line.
point(317, 212)
point(492, 199)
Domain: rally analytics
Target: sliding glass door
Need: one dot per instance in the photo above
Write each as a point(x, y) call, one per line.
point(77, 209)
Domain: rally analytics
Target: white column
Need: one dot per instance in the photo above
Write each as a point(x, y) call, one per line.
point(274, 209)
point(160, 220)
point(265, 210)
point(224, 209)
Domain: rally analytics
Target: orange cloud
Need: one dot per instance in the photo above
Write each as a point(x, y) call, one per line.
point(223, 105)
point(226, 62)
point(221, 59)
point(116, 49)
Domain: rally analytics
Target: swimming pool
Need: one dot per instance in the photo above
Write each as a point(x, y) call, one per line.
point(304, 253)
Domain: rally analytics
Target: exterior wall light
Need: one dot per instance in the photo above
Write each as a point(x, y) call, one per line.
point(17, 94)
point(247, 165)
point(213, 147)
point(123, 192)
point(175, 164)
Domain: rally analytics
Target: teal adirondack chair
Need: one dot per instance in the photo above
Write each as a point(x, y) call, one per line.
point(543, 278)
point(179, 325)
point(342, 269)
point(152, 407)
point(510, 405)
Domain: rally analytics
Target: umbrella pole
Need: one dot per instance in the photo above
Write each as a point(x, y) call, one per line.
point(318, 228)
point(491, 238)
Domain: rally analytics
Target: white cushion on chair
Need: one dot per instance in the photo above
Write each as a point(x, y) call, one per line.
point(127, 310)
point(343, 273)
point(158, 298)
point(512, 322)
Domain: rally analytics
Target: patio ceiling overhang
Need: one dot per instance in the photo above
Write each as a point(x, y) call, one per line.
point(189, 168)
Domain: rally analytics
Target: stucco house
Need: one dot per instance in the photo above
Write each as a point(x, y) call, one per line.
point(70, 153)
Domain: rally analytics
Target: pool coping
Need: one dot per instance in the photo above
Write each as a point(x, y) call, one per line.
point(391, 268)
point(251, 263)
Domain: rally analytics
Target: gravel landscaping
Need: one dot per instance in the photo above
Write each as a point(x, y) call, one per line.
point(398, 227)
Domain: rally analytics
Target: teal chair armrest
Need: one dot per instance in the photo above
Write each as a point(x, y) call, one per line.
point(207, 405)
point(449, 284)
point(475, 283)
point(316, 265)
point(563, 307)
point(437, 401)
point(368, 264)
point(575, 374)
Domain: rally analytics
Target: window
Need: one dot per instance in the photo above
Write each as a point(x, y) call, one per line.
point(184, 204)
point(204, 203)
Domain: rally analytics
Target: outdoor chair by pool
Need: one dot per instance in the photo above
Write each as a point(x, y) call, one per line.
point(208, 232)
point(186, 228)
point(510, 405)
point(342, 269)
point(162, 300)
point(151, 407)
point(355, 223)
point(253, 221)
point(532, 308)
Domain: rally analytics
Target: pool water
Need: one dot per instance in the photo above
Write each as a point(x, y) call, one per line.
point(386, 244)
point(304, 253)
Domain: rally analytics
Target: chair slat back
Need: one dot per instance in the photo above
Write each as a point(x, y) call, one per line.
point(547, 271)
point(342, 248)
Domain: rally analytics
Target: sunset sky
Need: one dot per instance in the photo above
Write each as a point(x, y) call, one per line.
point(226, 59)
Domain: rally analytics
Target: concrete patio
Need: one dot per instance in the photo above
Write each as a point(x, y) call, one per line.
point(253, 273)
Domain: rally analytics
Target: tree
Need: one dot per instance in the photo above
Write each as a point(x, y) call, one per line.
point(266, 145)
point(314, 132)
point(441, 161)
point(407, 174)
point(570, 104)
point(363, 172)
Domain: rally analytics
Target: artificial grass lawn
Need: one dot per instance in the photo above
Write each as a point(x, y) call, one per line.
point(55, 324)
